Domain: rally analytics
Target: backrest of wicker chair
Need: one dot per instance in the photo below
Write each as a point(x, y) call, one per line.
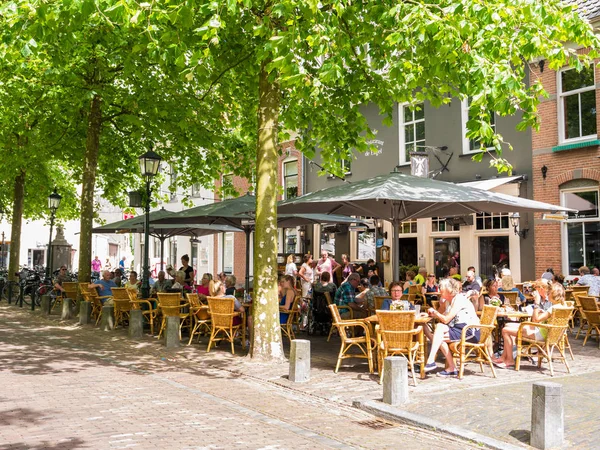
point(328, 297)
point(588, 303)
point(390, 323)
point(120, 294)
point(193, 299)
point(511, 297)
point(133, 294)
point(221, 311)
point(169, 301)
point(295, 314)
point(560, 321)
point(577, 289)
point(70, 288)
point(83, 287)
point(335, 314)
point(378, 300)
point(435, 304)
point(488, 317)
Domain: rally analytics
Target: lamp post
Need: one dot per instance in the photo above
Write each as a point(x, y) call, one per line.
point(149, 164)
point(53, 204)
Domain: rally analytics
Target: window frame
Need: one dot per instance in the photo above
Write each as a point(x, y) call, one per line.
point(284, 177)
point(560, 95)
point(402, 160)
point(464, 118)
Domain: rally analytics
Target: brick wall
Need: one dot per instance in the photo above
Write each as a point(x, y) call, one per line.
point(562, 166)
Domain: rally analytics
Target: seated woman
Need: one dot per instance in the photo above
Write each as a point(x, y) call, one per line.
point(204, 288)
point(288, 294)
point(508, 285)
point(410, 276)
point(546, 295)
point(460, 312)
point(133, 282)
point(325, 285)
point(395, 288)
point(491, 285)
point(430, 286)
point(217, 289)
point(347, 266)
point(230, 281)
point(180, 281)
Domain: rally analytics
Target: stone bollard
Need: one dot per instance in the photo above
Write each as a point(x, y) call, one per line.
point(547, 415)
point(66, 309)
point(299, 360)
point(45, 305)
point(107, 322)
point(172, 332)
point(85, 312)
point(395, 380)
point(136, 324)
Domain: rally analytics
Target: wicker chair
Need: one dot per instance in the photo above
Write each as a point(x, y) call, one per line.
point(171, 305)
point(222, 314)
point(589, 310)
point(415, 294)
point(583, 324)
point(149, 312)
point(556, 327)
point(396, 336)
point(466, 351)
point(293, 317)
point(70, 292)
point(363, 343)
point(122, 306)
point(92, 296)
point(344, 308)
point(512, 298)
point(200, 316)
point(580, 289)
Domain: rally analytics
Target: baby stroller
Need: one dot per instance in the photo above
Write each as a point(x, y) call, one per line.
point(319, 317)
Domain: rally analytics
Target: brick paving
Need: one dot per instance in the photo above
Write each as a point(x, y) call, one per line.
point(71, 387)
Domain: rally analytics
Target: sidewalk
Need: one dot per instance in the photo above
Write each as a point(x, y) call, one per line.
point(499, 408)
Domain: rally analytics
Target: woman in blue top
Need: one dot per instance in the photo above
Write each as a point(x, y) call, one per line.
point(410, 276)
point(288, 294)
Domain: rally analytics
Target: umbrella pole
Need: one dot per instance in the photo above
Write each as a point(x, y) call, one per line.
point(162, 252)
point(395, 250)
point(247, 284)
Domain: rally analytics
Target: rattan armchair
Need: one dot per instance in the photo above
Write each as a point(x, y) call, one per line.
point(466, 351)
point(149, 312)
point(91, 295)
point(583, 325)
point(122, 304)
point(222, 313)
point(293, 313)
point(589, 310)
point(343, 308)
point(345, 329)
point(555, 328)
point(171, 305)
point(396, 336)
point(512, 297)
point(199, 315)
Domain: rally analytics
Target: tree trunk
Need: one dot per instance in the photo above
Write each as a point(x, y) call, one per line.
point(92, 149)
point(15, 229)
point(266, 345)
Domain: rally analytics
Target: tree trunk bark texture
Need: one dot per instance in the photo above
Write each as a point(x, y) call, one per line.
point(267, 342)
point(90, 164)
point(17, 219)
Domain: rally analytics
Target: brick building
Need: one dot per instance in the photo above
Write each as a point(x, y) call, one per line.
point(566, 164)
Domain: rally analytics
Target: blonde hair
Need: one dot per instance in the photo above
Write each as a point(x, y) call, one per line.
point(214, 287)
point(557, 293)
point(450, 285)
point(542, 283)
point(507, 283)
point(180, 274)
point(290, 258)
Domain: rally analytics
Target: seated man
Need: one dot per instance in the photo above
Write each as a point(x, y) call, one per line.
point(471, 287)
point(162, 284)
point(345, 296)
point(587, 279)
point(421, 276)
point(104, 286)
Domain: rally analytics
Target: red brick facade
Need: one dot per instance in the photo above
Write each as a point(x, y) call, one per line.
point(562, 166)
point(242, 185)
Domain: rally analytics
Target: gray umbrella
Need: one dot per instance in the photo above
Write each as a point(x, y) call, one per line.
point(398, 197)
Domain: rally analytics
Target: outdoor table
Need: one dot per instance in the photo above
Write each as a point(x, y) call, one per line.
point(423, 319)
point(507, 316)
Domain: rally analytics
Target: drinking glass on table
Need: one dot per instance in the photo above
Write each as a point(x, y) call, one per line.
point(417, 311)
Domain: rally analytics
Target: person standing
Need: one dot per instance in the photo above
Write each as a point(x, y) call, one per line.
point(122, 264)
point(306, 274)
point(108, 265)
point(96, 266)
point(326, 264)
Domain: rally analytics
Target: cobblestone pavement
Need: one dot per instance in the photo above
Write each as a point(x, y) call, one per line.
point(71, 387)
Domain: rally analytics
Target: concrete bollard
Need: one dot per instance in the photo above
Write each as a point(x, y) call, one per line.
point(172, 332)
point(85, 312)
point(547, 415)
point(45, 305)
point(66, 309)
point(395, 380)
point(136, 324)
point(299, 360)
point(107, 322)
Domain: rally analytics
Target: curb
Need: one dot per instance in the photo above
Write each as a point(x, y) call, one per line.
point(391, 413)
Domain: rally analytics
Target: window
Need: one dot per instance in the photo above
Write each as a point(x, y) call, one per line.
point(493, 255)
point(438, 224)
point(196, 190)
point(227, 186)
point(290, 237)
point(412, 130)
point(327, 240)
point(366, 245)
point(577, 104)
point(474, 145)
point(494, 221)
point(227, 246)
point(290, 179)
point(156, 247)
point(446, 255)
point(409, 226)
point(582, 229)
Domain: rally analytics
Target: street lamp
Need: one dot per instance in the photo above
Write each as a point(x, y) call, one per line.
point(149, 164)
point(514, 221)
point(53, 204)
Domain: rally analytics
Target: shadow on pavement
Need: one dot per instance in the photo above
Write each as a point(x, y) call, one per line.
point(70, 445)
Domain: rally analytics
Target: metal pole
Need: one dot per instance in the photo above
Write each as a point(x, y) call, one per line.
point(49, 259)
point(146, 263)
point(247, 286)
point(2, 252)
point(162, 252)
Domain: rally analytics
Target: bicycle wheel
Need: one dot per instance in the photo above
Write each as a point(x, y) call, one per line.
point(28, 294)
point(42, 290)
point(13, 286)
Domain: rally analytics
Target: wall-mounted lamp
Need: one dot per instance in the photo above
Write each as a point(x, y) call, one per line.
point(135, 199)
point(514, 221)
point(544, 172)
point(195, 240)
point(542, 63)
point(379, 225)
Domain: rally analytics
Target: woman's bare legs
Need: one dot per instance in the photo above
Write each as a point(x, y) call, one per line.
point(440, 336)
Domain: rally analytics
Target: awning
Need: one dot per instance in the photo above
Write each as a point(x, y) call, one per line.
point(488, 185)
